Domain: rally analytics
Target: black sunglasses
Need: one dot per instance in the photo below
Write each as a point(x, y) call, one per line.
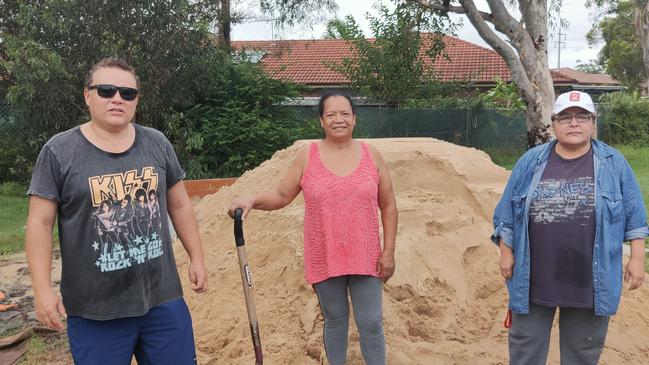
point(108, 91)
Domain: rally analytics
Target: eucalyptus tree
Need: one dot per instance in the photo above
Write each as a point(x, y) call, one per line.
point(280, 12)
point(524, 49)
point(640, 17)
point(622, 55)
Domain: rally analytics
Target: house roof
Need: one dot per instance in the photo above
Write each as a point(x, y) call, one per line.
point(305, 61)
point(586, 78)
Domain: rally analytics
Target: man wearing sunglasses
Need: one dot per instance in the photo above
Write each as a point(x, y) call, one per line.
point(121, 292)
point(567, 208)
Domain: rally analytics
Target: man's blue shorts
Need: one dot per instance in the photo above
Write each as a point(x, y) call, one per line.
point(162, 336)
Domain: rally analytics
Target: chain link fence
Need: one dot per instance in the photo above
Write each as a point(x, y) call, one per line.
point(6, 114)
point(603, 128)
point(16, 155)
point(482, 129)
point(488, 130)
point(8, 125)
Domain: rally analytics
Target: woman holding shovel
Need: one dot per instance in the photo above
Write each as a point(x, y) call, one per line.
point(345, 184)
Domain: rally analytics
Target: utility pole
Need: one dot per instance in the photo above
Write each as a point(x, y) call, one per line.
point(561, 41)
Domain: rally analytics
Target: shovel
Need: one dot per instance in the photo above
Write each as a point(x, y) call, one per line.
point(246, 279)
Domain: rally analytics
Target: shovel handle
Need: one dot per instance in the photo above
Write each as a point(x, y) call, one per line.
point(238, 227)
point(246, 279)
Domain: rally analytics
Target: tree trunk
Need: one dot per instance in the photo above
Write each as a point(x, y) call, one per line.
point(224, 24)
point(642, 29)
point(526, 54)
point(527, 61)
point(539, 110)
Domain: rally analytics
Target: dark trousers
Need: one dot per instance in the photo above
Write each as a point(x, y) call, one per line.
point(581, 336)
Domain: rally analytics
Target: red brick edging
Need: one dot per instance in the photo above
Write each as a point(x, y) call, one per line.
point(200, 188)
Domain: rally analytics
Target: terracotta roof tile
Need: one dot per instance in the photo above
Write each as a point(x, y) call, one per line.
point(586, 78)
point(304, 61)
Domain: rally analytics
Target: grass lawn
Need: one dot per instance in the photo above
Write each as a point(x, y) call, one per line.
point(52, 349)
point(13, 213)
point(638, 158)
point(505, 157)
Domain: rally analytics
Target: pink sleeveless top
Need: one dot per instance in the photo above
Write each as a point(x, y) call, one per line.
point(341, 223)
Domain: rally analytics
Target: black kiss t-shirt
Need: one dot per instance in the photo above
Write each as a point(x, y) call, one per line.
point(116, 248)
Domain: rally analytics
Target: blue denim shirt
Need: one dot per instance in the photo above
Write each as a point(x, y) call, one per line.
point(619, 216)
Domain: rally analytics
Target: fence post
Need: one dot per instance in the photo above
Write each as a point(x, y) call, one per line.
point(407, 120)
point(467, 121)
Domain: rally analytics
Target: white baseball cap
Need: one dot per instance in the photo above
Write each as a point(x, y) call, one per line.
point(573, 98)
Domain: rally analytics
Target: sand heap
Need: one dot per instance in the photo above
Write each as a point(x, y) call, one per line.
point(445, 303)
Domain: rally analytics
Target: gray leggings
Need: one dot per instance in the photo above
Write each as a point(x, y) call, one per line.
point(581, 336)
point(366, 293)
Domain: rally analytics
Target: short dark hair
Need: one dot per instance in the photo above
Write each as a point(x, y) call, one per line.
point(111, 62)
point(329, 94)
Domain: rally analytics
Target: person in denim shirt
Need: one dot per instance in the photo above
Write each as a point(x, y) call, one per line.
point(567, 207)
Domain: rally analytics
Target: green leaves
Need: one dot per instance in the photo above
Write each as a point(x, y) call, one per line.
point(397, 64)
point(503, 97)
point(290, 12)
point(222, 117)
point(625, 118)
point(621, 55)
point(346, 28)
point(239, 120)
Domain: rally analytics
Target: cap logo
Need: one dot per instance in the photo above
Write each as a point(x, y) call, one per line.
point(574, 96)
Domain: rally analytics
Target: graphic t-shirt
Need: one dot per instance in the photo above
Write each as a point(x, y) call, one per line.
point(116, 248)
point(562, 233)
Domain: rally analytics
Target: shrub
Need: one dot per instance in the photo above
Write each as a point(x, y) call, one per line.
point(222, 116)
point(12, 189)
point(625, 118)
point(17, 152)
point(239, 120)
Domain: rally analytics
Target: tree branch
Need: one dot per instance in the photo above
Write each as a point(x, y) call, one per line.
point(505, 50)
point(506, 23)
point(515, 31)
point(453, 9)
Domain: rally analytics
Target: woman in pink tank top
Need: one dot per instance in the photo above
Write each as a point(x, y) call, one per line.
point(345, 183)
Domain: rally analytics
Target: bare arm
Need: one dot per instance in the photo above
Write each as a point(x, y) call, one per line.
point(281, 195)
point(38, 247)
point(182, 216)
point(506, 260)
point(389, 217)
point(634, 273)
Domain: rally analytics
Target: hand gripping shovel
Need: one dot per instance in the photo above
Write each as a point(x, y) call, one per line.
point(246, 280)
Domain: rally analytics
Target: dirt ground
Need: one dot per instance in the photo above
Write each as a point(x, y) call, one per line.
point(445, 304)
point(43, 346)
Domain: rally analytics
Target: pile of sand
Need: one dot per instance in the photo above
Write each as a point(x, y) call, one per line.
point(445, 303)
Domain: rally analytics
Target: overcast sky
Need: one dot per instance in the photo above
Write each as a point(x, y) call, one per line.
point(573, 50)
